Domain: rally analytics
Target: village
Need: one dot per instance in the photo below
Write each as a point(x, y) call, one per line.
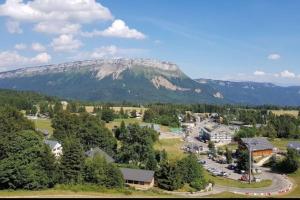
point(206, 136)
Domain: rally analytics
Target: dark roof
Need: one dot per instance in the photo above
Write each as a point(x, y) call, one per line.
point(51, 143)
point(294, 145)
point(97, 150)
point(137, 174)
point(258, 143)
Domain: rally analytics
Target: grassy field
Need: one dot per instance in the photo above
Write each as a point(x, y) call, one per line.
point(117, 122)
point(235, 183)
point(76, 194)
point(285, 112)
point(43, 124)
point(172, 147)
point(281, 143)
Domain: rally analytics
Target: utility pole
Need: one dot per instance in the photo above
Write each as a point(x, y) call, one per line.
point(249, 164)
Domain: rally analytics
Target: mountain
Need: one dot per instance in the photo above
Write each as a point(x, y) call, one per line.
point(113, 80)
point(141, 81)
point(255, 93)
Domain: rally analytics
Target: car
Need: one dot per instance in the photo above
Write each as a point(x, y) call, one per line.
point(202, 162)
point(231, 167)
point(216, 173)
point(224, 174)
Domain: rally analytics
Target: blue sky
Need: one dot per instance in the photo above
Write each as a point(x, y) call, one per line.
point(255, 40)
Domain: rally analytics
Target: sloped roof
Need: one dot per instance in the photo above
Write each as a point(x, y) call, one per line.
point(137, 174)
point(294, 145)
point(51, 143)
point(258, 143)
point(97, 150)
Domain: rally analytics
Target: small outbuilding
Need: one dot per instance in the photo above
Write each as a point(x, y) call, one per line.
point(138, 178)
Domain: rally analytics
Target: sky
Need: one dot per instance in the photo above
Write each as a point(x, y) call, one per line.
point(251, 40)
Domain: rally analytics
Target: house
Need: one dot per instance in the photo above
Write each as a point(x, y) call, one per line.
point(93, 151)
point(216, 133)
point(55, 147)
point(259, 146)
point(294, 145)
point(138, 178)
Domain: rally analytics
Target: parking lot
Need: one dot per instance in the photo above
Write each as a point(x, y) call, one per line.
point(218, 169)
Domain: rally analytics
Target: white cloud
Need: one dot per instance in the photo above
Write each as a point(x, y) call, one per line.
point(13, 27)
point(84, 11)
point(57, 27)
point(65, 43)
point(37, 47)
point(65, 15)
point(41, 58)
point(287, 74)
point(259, 73)
point(117, 29)
point(274, 56)
point(11, 60)
point(20, 46)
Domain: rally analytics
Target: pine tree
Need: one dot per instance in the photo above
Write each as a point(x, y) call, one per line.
point(72, 161)
point(168, 177)
point(114, 177)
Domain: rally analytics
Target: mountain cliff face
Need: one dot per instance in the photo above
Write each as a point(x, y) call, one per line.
point(255, 93)
point(115, 80)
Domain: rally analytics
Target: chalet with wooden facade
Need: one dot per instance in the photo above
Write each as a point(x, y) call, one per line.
point(137, 178)
point(259, 146)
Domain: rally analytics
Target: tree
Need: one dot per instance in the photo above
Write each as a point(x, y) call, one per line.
point(114, 177)
point(291, 163)
point(58, 107)
point(95, 170)
point(137, 145)
point(22, 162)
point(243, 160)
point(44, 107)
point(121, 131)
point(228, 155)
point(11, 120)
point(191, 171)
point(168, 177)
point(107, 114)
point(34, 110)
point(81, 109)
point(211, 145)
point(72, 161)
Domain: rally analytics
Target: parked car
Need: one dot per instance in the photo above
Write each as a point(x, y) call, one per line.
point(231, 167)
point(202, 162)
point(224, 174)
point(244, 177)
point(216, 173)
